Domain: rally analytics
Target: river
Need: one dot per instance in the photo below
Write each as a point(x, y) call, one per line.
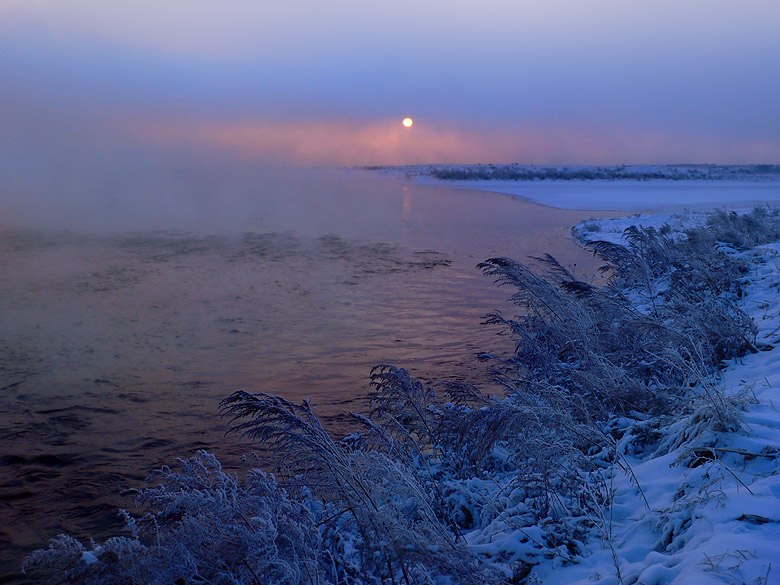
point(123, 329)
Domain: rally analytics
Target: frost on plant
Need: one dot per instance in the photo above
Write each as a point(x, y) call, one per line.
point(445, 483)
point(201, 525)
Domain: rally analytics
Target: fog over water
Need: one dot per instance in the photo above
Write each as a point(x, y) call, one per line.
point(127, 317)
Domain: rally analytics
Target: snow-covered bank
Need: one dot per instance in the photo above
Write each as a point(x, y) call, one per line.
point(629, 195)
point(622, 188)
point(708, 511)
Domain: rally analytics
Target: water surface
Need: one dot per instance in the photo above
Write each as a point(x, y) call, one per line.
point(121, 333)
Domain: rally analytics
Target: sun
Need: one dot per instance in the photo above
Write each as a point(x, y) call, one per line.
point(408, 122)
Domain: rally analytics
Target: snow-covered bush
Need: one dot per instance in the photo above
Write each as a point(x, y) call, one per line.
point(664, 321)
point(376, 487)
point(744, 230)
point(201, 525)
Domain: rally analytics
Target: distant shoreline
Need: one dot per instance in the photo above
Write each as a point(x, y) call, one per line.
point(621, 188)
point(536, 173)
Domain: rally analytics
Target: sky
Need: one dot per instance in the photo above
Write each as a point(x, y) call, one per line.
point(309, 82)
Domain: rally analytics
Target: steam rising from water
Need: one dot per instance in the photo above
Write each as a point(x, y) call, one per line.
point(118, 342)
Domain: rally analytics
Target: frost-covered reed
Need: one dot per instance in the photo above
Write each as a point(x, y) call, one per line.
point(444, 483)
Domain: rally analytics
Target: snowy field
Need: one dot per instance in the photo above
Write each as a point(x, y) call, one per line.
point(629, 196)
point(632, 188)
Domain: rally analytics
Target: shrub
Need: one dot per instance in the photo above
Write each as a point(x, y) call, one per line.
point(201, 525)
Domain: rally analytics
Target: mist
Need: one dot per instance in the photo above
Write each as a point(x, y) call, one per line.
point(180, 113)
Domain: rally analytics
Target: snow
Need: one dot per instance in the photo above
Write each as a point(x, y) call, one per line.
point(719, 521)
point(634, 188)
point(612, 230)
point(90, 557)
point(628, 195)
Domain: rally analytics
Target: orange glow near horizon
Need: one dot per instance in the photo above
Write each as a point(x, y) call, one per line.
point(384, 142)
point(330, 142)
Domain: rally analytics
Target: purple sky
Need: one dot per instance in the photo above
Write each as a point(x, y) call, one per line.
point(313, 82)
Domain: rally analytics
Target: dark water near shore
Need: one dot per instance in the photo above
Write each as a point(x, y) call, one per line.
point(119, 338)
